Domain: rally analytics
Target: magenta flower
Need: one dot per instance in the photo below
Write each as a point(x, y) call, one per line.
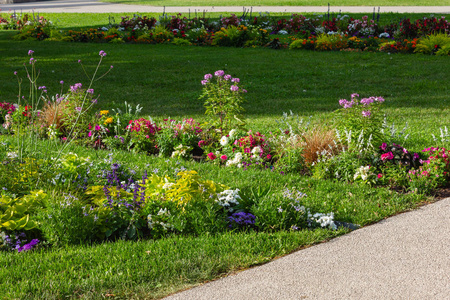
point(224, 157)
point(79, 61)
point(204, 82)
point(234, 88)
point(415, 156)
point(31, 60)
point(235, 80)
point(97, 127)
point(90, 91)
point(367, 101)
point(78, 109)
point(227, 77)
point(208, 76)
point(102, 53)
point(211, 156)
point(269, 157)
point(15, 72)
point(387, 156)
point(383, 146)
point(30, 52)
point(111, 67)
point(61, 82)
point(366, 113)
point(219, 73)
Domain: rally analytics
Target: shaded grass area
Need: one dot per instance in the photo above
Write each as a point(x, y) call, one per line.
point(165, 80)
point(281, 2)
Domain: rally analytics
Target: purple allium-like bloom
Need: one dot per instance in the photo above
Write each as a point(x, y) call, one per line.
point(111, 67)
point(227, 77)
point(208, 76)
point(366, 113)
point(90, 91)
point(30, 52)
point(31, 60)
point(42, 87)
point(15, 72)
point(235, 80)
point(102, 53)
point(219, 73)
point(234, 88)
point(204, 82)
point(61, 82)
point(79, 61)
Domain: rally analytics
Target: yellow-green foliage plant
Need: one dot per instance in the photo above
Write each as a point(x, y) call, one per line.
point(15, 212)
point(438, 44)
point(326, 42)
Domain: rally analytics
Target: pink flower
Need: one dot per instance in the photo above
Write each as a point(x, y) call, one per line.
point(30, 52)
point(102, 53)
point(234, 88)
point(380, 175)
point(247, 150)
point(219, 73)
point(415, 156)
point(269, 157)
point(383, 146)
point(366, 113)
point(223, 157)
point(211, 156)
point(97, 127)
point(235, 80)
point(201, 143)
point(204, 82)
point(64, 139)
point(386, 156)
point(208, 76)
point(90, 134)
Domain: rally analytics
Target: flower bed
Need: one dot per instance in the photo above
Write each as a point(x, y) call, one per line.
point(426, 35)
point(89, 200)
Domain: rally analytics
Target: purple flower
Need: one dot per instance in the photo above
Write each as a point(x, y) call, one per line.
point(111, 67)
point(30, 52)
point(28, 246)
point(366, 113)
point(227, 77)
point(90, 91)
point(42, 87)
point(415, 156)
point(379, 99)
point(208, 76)
point(78, 109)
point(367, 101)
point(235, 80)
point(74, 88)
point(204, 82)
point(102, 53)
point(219, 73)
point(15, 72)
point(354, 95)
point(383, 146)
point(61, 82)
point(31, 60)
point(97, 127)
point(234, 88)
point(79, 61)
point(94, 101)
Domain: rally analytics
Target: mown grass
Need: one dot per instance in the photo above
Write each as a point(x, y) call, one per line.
point(281, 2)
point(165, 80)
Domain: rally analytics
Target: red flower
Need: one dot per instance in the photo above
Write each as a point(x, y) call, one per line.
point(211, 156)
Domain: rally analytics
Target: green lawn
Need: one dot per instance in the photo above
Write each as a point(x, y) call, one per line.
point(282, 3)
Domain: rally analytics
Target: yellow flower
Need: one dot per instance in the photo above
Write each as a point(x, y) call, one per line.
point(104, 112)
point(108, 121)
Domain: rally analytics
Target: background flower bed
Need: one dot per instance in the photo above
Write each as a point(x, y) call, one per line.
point(348, 201)
point(307, 32)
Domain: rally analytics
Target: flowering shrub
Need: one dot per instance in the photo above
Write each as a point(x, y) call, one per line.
point(223, 100)
point(143, 135)
point(361, 119)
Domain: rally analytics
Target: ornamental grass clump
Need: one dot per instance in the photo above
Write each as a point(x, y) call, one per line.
point(223, 100)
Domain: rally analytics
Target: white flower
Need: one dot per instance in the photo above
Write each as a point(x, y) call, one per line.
point(282, 32)
point(104, 28)
point(224, 141)
point(228, 197)
point(232, 133)
point(168, 185)
point(11, 155)
point(257, 150)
